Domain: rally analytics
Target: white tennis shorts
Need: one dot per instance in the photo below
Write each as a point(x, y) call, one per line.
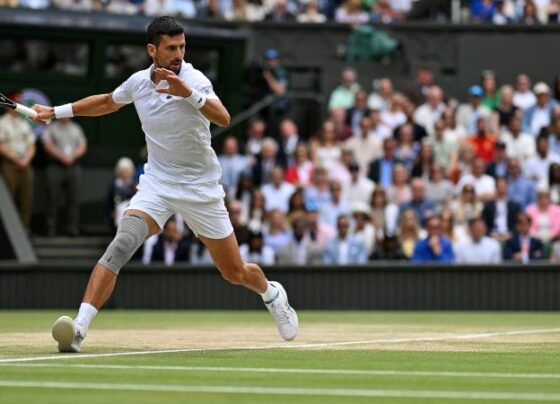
point(201, 205)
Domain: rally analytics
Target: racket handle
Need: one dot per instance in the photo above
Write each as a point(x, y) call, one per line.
point(31, 113)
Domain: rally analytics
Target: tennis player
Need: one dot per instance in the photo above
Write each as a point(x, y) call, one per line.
point(175, 104)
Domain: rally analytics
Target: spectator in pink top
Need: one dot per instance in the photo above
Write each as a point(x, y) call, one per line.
point(545, 217)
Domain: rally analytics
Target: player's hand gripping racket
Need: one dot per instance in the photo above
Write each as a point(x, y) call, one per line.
point(22, 109)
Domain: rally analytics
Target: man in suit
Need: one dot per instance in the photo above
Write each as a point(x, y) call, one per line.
point(522, 247)
point(500, 215)
point(355, 114)
point(499, 165)
point(381, 171)
point(344, 249)
point(289, 139)
point(170, 247)
point(266, 161)
point(280, 13)
point(418, 90)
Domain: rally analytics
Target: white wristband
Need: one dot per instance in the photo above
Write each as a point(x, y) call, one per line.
point(196, 99)
point(63, 111)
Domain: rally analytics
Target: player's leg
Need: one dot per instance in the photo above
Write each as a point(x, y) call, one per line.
point(135, 227)
point(225, 253)
point(133, 230)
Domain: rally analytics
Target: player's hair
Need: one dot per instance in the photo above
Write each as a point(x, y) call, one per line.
point(163, 26)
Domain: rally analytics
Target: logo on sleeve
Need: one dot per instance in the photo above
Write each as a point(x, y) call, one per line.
point(207, 90)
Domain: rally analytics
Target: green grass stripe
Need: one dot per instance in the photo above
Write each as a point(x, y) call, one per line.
point(289, 391)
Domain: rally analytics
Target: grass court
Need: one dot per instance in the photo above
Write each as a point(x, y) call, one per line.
point(238, 357)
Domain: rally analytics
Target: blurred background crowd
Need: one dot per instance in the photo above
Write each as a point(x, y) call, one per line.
point(391, 174)
point(529, 12)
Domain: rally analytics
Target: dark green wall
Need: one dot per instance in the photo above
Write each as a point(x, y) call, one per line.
point(370, 287)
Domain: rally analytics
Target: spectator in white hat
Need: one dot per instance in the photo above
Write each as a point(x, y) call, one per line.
point(538, 116)
point(363, 228)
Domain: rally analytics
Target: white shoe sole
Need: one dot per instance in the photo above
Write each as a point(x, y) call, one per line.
point(64, 332)
point(283, 291)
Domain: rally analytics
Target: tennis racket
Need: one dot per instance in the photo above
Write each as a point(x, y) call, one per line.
point(22, 109)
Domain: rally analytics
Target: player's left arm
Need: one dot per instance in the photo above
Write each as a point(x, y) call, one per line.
point(213, 109)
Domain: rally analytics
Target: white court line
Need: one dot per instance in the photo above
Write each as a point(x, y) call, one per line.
point(292, 346)
point(291, 391)
point(339, 372)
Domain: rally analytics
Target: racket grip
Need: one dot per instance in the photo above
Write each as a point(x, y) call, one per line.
point(31, 113)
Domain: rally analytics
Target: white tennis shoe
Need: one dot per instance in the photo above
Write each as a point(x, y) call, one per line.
point(68, 334)
point(285, 316)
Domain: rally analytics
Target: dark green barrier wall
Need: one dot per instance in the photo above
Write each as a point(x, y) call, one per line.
point(319, 288)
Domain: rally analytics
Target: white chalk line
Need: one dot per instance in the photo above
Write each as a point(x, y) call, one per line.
point(336, 372)
point(291, 391)
point(292, 346)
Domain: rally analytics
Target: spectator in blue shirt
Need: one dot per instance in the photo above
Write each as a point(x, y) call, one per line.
point(435, 247)
point(520, 189)
point(483, 10)
point(345, 248)
point(422, 207)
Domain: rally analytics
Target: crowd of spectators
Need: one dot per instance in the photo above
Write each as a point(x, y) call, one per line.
point(389, 175)
point(389, 178)
point(355, 12)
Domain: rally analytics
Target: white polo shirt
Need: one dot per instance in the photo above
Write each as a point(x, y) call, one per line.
point(177, 134)
point(486, 251)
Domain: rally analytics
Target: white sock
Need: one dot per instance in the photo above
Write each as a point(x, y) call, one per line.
point(85, 315)
point(270, 293)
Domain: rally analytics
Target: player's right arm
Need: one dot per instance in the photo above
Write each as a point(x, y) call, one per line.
point(95, 105)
